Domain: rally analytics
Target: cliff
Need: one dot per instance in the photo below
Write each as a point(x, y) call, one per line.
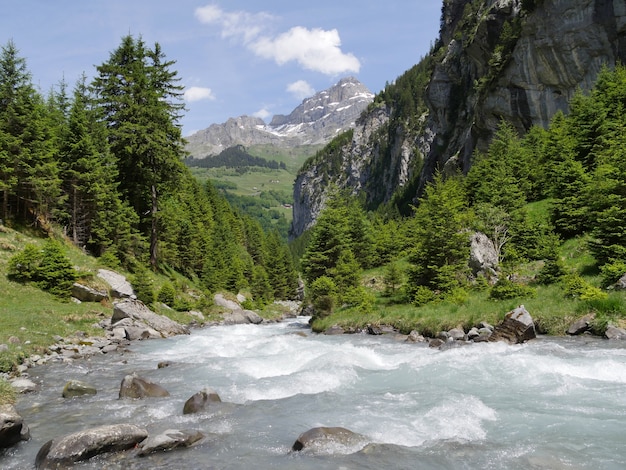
point(514, 60)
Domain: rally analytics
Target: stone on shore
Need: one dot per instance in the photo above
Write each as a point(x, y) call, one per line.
point(64, 451)
point(133, 386)
point(517, 327)
point(12, 427)
point(581, 326)
point(615, 333)
point(137, 311)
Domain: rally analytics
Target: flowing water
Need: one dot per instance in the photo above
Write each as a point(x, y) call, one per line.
point(547, 404)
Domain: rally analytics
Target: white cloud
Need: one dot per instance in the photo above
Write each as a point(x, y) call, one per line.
point(301, 89)
point(262, 113)
point(196, 93)
point(313, 49)
point(239, 24)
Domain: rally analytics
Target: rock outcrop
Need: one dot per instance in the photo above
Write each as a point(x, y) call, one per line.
point(64, 451)
point(120, 287)
point(494, 60)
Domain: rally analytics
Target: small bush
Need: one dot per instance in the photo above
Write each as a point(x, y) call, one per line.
point(49, 268)
point(576, 287)
point(507, 289)
point(359, 297)
point(167, 294)
point(322, 292)
point(422, 296)
point(142, 285)
point(612, 272)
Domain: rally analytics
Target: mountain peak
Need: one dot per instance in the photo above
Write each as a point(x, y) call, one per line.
point(317, 120)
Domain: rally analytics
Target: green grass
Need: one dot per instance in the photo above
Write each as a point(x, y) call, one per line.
point(552, 311)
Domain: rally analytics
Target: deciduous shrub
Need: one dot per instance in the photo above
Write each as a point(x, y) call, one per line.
point(507, 289)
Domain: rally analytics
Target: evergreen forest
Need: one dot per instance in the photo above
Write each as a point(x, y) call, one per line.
point(552, 204)
point(101, 164)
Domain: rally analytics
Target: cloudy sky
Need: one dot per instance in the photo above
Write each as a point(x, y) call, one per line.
point(234, 57)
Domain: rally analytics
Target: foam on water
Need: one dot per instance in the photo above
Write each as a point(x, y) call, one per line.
point(550, 403)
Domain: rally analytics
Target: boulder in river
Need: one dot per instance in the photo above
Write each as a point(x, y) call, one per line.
point(325, 438)
point(76, 388)
point(517, 327)
point(12, 427)
point(66, 450)
point(134, 386)
point(169, 440)
point(199, 401)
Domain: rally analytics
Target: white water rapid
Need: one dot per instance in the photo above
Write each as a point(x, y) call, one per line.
point(552, 403)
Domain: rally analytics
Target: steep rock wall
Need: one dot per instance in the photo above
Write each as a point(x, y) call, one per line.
point(483, 73)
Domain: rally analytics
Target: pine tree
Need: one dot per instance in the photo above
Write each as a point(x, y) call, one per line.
point(441, 243)
point(29, 178)
point(140, 101)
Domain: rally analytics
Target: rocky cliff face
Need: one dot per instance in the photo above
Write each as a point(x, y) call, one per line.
point(516, 60)
point(316, 121)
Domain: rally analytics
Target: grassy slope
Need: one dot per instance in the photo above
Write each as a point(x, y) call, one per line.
point(259, 179)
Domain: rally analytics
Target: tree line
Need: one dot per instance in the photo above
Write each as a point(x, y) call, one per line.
point(104, 161)
point(234, 157)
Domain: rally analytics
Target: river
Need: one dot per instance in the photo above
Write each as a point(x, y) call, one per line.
point(552, 403)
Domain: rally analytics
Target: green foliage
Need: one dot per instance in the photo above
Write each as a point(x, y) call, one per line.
point(49, 268)
point(612, 272)
point(322, 292)
point(143, 286)
point(167, 294)
point(421, 295)
point(440, 243)
point(507, 289)
point(260, 287)
point(393, 278)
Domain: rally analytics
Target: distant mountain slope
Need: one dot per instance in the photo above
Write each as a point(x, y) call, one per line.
point(316, 121)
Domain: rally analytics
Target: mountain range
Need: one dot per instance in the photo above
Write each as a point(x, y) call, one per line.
point(315, 121)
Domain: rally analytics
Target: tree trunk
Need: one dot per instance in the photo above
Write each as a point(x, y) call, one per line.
point(154, 230)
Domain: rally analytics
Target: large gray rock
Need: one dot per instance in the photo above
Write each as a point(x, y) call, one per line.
point(87, 294)
point(615, 333)
point(12, 427)
point(517, 327)
point(133, 386)
point(169, 440)
point(483, 255)
point(580, 326)
point(200, 401)
point(120, 287)
point(136, 310)
point(320, 439)
point(66, 450)
point(76, 388)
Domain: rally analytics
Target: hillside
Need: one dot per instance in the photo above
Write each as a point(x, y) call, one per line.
point(512, 60)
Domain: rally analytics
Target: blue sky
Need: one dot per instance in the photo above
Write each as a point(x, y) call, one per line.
point(234, 57)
